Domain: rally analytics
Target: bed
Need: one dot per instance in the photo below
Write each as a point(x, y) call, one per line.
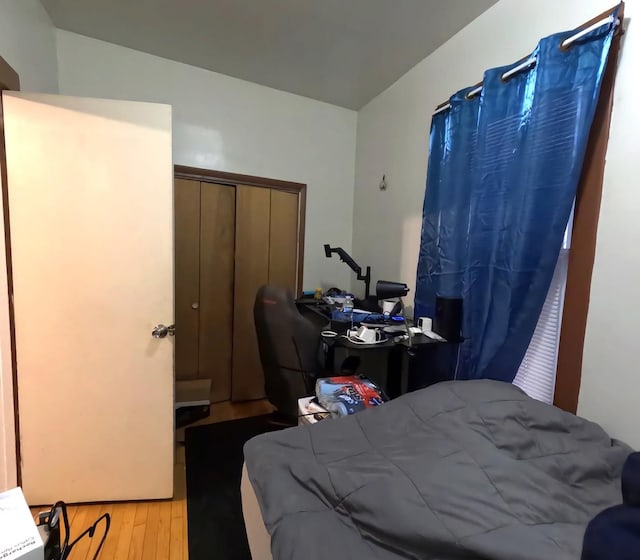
point(461, 470)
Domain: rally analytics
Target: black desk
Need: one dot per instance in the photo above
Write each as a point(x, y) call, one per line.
point(396, 354)
point(416, 341)
point(318, 312)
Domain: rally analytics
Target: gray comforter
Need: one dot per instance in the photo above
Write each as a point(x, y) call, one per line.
point(471, 469)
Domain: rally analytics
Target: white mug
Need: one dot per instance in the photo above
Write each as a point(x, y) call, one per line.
point(425, 324)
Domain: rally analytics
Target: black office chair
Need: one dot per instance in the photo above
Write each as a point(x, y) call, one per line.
point(289, 346)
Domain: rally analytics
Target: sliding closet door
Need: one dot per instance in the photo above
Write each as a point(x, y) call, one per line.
point(187, 276)
point(253, 207)
point(204, 261)
point(229, 241)
point(217, 248)
point(283, 240)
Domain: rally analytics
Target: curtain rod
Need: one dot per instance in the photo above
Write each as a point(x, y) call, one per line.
point(530, 62)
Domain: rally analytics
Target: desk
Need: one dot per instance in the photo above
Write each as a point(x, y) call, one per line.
point(417, 341)
point(393, 351)
point(318, 312)
point(396, 355)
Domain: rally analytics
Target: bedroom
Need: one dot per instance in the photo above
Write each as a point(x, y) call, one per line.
point(388, 136)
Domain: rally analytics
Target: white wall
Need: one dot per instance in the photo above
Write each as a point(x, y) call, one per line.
point(232, 125)
point(393, 133)
point(27, 43)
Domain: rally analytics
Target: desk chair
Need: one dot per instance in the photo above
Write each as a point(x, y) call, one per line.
point(289, 346)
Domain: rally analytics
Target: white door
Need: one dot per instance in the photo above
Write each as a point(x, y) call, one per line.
point(90, 186)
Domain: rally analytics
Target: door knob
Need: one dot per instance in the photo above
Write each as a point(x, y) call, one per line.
point(161, 331)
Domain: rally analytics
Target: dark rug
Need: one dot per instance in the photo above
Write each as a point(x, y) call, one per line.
point(214, 460)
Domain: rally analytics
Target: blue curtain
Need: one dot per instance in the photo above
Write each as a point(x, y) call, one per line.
point(503, 171)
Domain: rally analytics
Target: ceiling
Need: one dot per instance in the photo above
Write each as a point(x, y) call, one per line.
point(344, 52)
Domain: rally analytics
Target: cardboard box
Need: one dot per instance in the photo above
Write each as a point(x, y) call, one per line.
point(19, 536)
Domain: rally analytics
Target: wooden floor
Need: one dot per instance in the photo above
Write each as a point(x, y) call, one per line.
point(156, 529)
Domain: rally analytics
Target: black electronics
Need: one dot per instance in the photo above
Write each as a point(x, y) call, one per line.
point(353, 265)
point(390, 290)
point(448, 320)
point(186, 415)
point(49, 523)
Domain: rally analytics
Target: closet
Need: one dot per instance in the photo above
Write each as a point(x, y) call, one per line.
point(230, 239)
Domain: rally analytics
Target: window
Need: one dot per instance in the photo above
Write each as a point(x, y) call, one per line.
point(537, 373)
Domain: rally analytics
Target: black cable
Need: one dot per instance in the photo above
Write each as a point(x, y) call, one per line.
point(53, 524)
point(319, 416)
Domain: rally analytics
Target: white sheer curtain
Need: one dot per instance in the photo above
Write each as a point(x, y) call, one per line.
point(537, 373)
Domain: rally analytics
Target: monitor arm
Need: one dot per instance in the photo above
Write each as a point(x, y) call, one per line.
point(353, 265)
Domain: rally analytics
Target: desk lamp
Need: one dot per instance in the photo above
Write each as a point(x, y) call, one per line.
point(392, 290)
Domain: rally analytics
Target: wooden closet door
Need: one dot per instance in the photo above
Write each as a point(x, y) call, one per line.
point(283, 240)
point(253, 207)
point(217, 248)
point(187, 276)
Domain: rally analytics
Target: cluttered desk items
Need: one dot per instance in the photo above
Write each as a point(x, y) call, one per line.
point(385, 325)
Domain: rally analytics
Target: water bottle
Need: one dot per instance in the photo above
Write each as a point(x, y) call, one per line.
point(347, 307)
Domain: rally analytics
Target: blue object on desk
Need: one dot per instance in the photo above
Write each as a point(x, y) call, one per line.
point(337, 315)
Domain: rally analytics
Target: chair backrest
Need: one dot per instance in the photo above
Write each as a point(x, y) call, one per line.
point(288, 344)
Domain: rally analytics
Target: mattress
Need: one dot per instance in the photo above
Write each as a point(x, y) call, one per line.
point(259, 539)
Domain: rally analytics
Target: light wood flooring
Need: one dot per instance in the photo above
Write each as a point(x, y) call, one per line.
point(156, 529)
